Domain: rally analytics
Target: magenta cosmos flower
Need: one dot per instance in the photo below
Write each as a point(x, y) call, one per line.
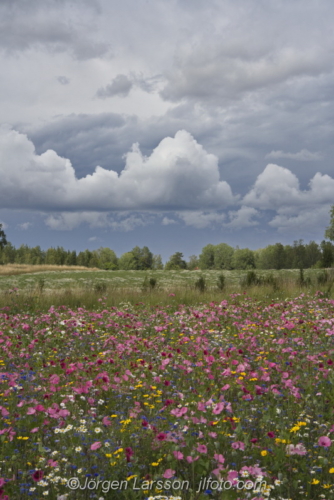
point(324, 441)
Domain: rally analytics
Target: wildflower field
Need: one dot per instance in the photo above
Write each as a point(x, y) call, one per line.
point(229, 400)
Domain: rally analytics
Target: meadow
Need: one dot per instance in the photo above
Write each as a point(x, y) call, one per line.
point(227, 397)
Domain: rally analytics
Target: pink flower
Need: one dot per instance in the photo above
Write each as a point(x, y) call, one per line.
point(35, 429)
point(168, 473)
point(178, 455)
point(324, 441)
point(218, 409)
point(192, 459)
point(106, 421)
point(161, 436)
point(271, 434)
point(238, 445)
point(220, 459)
point(96, 445)
point(202, 448)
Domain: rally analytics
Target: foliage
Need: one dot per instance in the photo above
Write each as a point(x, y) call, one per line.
point(176, 262)
point(221, 282)
point(3, 239)
point(329, 233)
point(243, 258)
point(200, 284)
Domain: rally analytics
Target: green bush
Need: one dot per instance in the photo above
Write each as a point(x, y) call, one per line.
point(221, 282)
point(200, 284)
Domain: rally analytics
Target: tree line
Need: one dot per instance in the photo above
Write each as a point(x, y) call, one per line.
point(300, 255)
point(220, 257)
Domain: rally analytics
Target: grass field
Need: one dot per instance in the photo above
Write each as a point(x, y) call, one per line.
point(39, 287)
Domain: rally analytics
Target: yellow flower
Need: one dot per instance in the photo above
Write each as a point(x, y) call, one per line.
point(264, 453)
point(327, 486)
point(315, 481)
point(296, 428)
point(155, 464)
point(331, 471)
point(108, 455)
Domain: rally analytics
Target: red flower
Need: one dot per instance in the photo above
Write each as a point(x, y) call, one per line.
point(128, 454)
point(161, 436)
point(271, 434)
point(37, 475)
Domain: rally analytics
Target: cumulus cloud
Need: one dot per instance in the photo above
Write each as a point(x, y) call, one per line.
point(244, 217)
point(179, 174)
point(303, 155)
point(277, 186)
point(120, 86)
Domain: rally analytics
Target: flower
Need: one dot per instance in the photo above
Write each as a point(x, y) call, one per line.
point(178, 455)
point(202, 448)
point(37, 475)
point(161, 436)
point(324, 441)
point(96, 445)
point(168, 473)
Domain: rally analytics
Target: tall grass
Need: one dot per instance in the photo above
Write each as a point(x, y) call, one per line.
point(37, 299)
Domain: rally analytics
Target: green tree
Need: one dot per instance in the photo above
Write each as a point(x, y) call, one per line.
point(157, 262)
point(222, 256)
point(193, 262)
point(127, 261)
point(106, 258)
point(176, 262)
point(327, 256)
point(207, 257)
point(243, 258)
point(329, 233)
point(3, 239)
point(143, 258)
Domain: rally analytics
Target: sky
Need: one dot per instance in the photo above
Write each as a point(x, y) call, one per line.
point(166, 123)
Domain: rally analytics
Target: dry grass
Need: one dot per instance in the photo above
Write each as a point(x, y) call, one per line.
point(15, 269)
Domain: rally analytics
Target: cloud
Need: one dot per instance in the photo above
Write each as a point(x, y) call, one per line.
point(218, 71)
point(166, 221)
point(200, 219)
point(63, 80)
point(25, 225)
point(123, 221)
point(56, 26)
point(242, 218)
point(4, 225)
point(306, 220)
point(179, 174)
point(303, 155)
point(278, 187)
point(120, 86)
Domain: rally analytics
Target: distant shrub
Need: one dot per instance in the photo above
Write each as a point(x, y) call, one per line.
point(221, 282)
point(250, 279)
point(200, 284)
point(322, 277)
point(149, 283)
point(100, 287)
